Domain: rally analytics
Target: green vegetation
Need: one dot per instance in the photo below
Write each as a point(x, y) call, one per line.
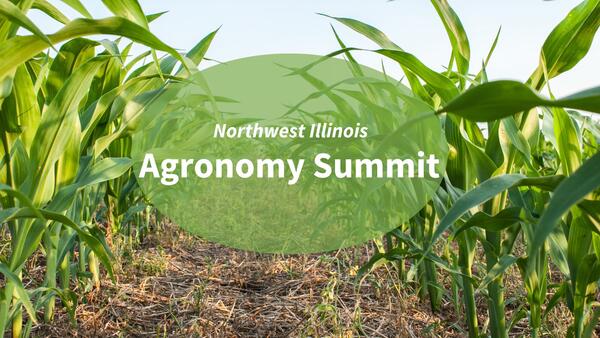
point(66, 116)
point(528, 177)
point(521, 188)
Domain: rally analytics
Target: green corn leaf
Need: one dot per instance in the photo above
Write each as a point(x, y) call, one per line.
point(135, 60)
point(509, 125)
point(154, 16)
point(441, 84)
point(67, 241)
point(78, 6)
point(456, 33)
point(109, 78)
point(569, 42)
point(24, 200)
point(6, 85)
point(579, 242)
point(384, 42)
point(128, 9)
point(418, 252)
point(10, 214)
point(569, 149)
point(68, 162)
point(352, 63)
point(497, 270)
point(100, 108)
point(588, 100)
point(545, 183)
point(592, 211)
point(376, 261)
point(486, 191)
point(557, 241)
point(499, 99)
point(499, 222)
point(568, 193)
point(473, 198)
point(68, 299)
point(26, 108)
point(60, 125)
point(131, 10)
point(15, 15)
point(95, 244)
point(50, 10)
point(21, 292)
point(458, 168)
point(20, 49)
point(367, 31)
point(589, 268)
point(104, 170)
point(197, 53)
point(483, 165)
point(137, 110)
point(482, 75)
point(70, 56)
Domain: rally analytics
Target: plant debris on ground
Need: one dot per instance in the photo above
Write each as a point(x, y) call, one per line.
point(176, 284)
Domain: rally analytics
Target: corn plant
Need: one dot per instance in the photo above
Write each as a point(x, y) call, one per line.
point(523, 169)
point(67, 113)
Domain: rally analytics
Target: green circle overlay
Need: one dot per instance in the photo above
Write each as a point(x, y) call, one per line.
point(274, 213)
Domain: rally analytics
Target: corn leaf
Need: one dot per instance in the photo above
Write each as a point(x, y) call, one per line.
point(569, 42)
point(441, 84)
point(50, 10)
point(499, 99)
point(501, 221)
point(19, 49)
point(569, 149)
point(95, 244)
point(70, 56)
point(456, 33)
point(60, 125)
point(570, 191)
point(104, 170)
point(78, 6)
point(128, 9)
point(24, 200)
point(15, 15)
point(20, 291)
point(154, 16)
point(197, 53)
point(486, 191)
point(384, 42)
point(27, 110)
point(367, 31)
point(497, 270)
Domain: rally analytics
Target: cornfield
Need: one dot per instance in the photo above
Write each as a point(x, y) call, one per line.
point(521, 188)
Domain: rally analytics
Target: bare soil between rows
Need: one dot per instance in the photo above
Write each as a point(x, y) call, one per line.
point(176, 285)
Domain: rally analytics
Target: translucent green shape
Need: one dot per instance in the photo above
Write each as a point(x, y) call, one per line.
point(222, 201)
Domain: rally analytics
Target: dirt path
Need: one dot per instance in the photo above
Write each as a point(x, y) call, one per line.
point(178, 285)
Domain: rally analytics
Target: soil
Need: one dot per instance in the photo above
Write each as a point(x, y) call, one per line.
point(176, 285)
